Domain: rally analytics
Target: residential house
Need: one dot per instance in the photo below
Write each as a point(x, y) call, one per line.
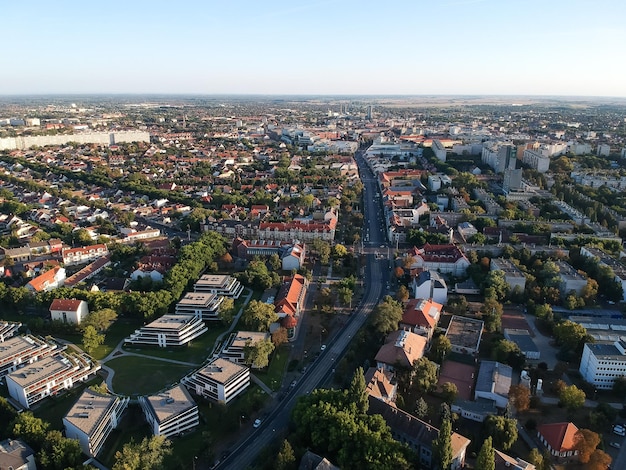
point(418, 435)
point(168, 331)
point(494, 382)
point(234, 348)
point(50, 280)
point(204, 306)
point(219, 284)
point(465, 334)
point(83, 254)
point(15, 454)
point(92, 418)
point(48, 376)
point(220, 380)
point(69, 310)
point(447, 259)
point(290, 302)
point(430, 285)
point(171, 412)
point(88, 271)
point(311, 461)
point(140, 235)
point(400, 350)
point(381, 384)
point(559, 438)
point(421, 317)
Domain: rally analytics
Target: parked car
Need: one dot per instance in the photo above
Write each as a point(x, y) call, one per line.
point(257, 423)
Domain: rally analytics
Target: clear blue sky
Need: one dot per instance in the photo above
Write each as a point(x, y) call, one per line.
point(529, 47)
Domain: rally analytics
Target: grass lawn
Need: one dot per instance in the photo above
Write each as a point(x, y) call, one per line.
point(141, 376)
point(53, 409)
point(273, 376)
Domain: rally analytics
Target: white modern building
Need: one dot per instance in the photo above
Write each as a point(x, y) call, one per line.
point(220, 380)
point(48, 376)
point(202, 305)
point(219, 284)
point(234, 349)
point(171, 412)
point(169, 330)
point(20, 350)
point(8, 329)
point(430, 285)
point(69, 310)
point(92, 418)
point(603, 362)
point(84, 254)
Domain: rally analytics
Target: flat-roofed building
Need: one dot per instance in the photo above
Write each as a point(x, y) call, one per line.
point(171, 412)
point(524, 342)
point(169, 330)
point(619, 269)
point(203, 305)
point(571, 280)
point(512, 274)
point(219, 284)
point(234, 349)
point(494, 382)
point(48, 376)
point(464, 334)
point(220, 380)
point(8, 329)
point(20, 350)
point(92, 418)
point(603, 362)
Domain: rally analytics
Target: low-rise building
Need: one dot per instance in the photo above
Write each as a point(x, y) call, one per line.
point(48, 376)
point(430, 285)
point(220, 380)
point(400, 350)
point(381, 384)
point(171, 412)
point(290, 302)
point(83, 254)
point(421, 317)
point(465, 334)
point(448, 259)
point(20, 350)
point(202, 305)
point(8, 329)
point(494, 382)
point(92, 418)
point(69, 310)
point(168, 331)
point(506, 462)
point(603, 362)
point(15, 454)
point(559, 438)
point(234, 350)
point(50, 280)
point(524, 342)
point(513, 276)
point(571, 280)
point(219, 284)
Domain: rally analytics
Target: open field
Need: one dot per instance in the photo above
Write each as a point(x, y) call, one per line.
point(141, 376)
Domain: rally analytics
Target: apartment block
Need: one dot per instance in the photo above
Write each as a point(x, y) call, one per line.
point(202, 305)
point(8, 329)
point(602, 362)
point(171, 412)
point(512, 274)
point(168, 331)
point(20, 350)
point(220, 380)
point(235, 347)
point(84, 254)
point(48, 377)
point(92, 418)
point(219, 284)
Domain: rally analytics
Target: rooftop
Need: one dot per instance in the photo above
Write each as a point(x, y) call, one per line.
point(465, 332)
point(170, 403)
point(170, 322)
point(220, 370)
point(90, 409)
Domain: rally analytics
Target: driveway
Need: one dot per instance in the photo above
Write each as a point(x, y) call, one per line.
point(548, 352)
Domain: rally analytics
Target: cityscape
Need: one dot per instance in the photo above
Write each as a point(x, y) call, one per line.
point(313, 236)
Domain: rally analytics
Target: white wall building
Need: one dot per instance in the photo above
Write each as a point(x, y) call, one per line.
point(92, 418)
point(168, 331)
point(203, 305)
point(220, 380)
point(602, 362)
point(219, 284)
point(20, 350)
point(494, 382)
point(69, 310)
point(171, 412)
point(536, 160)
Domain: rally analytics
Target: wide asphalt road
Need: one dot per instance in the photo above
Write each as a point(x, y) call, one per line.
point(273, 428)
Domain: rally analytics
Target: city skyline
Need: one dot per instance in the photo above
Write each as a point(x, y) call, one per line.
point(457, 47)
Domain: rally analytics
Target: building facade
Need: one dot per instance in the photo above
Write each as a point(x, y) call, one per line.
point(171, 412)
point(169, 331)
point(220, 380)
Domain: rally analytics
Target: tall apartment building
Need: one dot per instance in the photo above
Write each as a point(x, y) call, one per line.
point(171, 412)
point(536, 160)
point(92, 418)
point(220, 380)
point(169, 330)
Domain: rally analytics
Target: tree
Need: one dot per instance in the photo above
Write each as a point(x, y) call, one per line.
point(442, 446)
point(496, 281)
point(32, 430)
point(421, 408)
point(519, 397)
point(91, 339)
point(585, 442)
point(101, 319)
point(339, 251)
point(449, 391)
point(599, 460)
point(147, 455)
point(492, 314)
point(274, 262)
point(503, 430)
point(386, 316)
point(509, 353)
point(358, 391)
point(571, 397)
point(226, 310)
point(536, 458)
point(258, 354)
point(280, 336)
point(403, 294)
point(7, 415)
point(286, 459)
point(59, 453)
point(258, 315)
point(486, 459)
point(440, 348)
point(345, 295)
point(424, 375)
point(571, 336)
point(619, 386)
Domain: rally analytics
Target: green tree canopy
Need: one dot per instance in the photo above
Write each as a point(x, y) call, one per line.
point(442, 446)
point(258, 315)
point(571, 397)
point(424, 375)
point(386, 316)
point(146, 455)
point(486, 459)
point(258, 354)
point(503, 430)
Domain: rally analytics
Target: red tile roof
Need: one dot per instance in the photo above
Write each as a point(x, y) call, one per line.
point(41, 282)
point(560, 436)
point(419, 312)
point(65, 305)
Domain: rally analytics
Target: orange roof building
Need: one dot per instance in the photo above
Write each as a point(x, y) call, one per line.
point(401, 349)
point(559, 438)
point(421, 316)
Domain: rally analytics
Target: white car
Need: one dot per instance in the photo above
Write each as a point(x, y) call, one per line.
point(322, 347)
point(257, 423)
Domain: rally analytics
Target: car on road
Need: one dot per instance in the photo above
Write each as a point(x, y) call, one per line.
point(293, 384)
point(322, 347)
point(257, 423)
point(619, 430)
point(617, 445)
